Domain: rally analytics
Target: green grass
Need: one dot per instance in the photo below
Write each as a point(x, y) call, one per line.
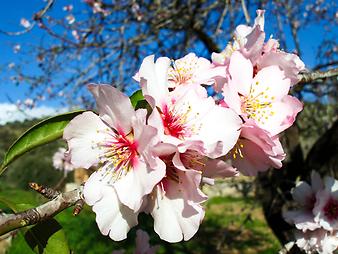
point(231, 225)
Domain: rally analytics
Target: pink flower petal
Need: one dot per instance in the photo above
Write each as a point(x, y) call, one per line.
point(241, 72)
point(114, 107)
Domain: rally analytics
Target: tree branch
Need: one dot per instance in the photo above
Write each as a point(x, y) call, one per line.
point(309, 77)
point(206, 39)
point(9, 222)
point(36, 17)
point(246, 13)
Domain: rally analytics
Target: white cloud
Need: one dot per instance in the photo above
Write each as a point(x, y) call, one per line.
point(10, 112)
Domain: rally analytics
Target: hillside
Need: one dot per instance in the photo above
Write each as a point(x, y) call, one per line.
point(34, 166)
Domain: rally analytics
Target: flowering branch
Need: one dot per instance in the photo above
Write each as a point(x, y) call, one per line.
point(309, 77)
point(36, 17)
point(60, 201)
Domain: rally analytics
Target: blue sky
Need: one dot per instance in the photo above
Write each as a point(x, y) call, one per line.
point(12, 11)
point(10, 14)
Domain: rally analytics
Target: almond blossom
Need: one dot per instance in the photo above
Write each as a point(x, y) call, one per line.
point(175, 204)
point(191, 69)
point(316, 217)
point(186, 115)
point(118, 141)
point(25, 23)
point(305, 196)
point(262, 97)
point(256, 150)
point(61, 160)
point(326, 207)
point(176, 201)
point(317, 241)
point(249, 41)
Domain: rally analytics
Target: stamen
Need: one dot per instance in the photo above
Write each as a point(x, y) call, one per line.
point(257, 106)
point(117, 157)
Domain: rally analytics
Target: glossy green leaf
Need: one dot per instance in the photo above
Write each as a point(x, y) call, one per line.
point(136, 97)
point(42, 133)
point(47, 237)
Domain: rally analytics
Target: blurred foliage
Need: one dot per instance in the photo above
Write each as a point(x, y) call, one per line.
point(35, 166)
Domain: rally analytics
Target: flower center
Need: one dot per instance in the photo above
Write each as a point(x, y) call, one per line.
point(171, 173)
point(331, 209)
point(175, 122)
point(236, 151)
point(257, 105)
point(182, 71)
point(194, 160)
point(120, 155)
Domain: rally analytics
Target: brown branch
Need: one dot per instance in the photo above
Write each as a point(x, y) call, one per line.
point(206, 39)
point(221, 19)
point(42, 12)
point(44, 191)
point(9, 222)
point(309, 77)
point(325, 65)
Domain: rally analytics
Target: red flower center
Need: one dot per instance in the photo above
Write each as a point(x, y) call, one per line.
point(174, 123)
point(331, 209)
point(121, 153)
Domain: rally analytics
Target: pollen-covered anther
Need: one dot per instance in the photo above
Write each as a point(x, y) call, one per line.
point(181, 70)
point(257, 106)
point(236, 151)
point(118, 156)
point(176, 121)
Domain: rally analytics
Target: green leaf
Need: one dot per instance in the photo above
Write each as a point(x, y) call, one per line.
point(8, 204)
point(47, 237)
point(136, 97)
point(40, 134)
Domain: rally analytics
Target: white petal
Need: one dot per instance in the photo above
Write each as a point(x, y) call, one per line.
point(112, 217)
point(83, 133)
point(153, 79)
point(302, 193)
point(177, 213)
point(137, 183)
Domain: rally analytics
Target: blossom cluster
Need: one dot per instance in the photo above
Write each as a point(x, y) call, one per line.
point(61, 160)
point(155, 160)
point(316, 216)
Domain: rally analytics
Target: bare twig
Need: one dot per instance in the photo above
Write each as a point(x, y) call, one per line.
point(42, 12)
point(44, 191)
point(78, 207)
point(309, 77)
point(221, 19)
point(9, 222)
point(37, 16)
point(325, 65)
point(246, 13)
